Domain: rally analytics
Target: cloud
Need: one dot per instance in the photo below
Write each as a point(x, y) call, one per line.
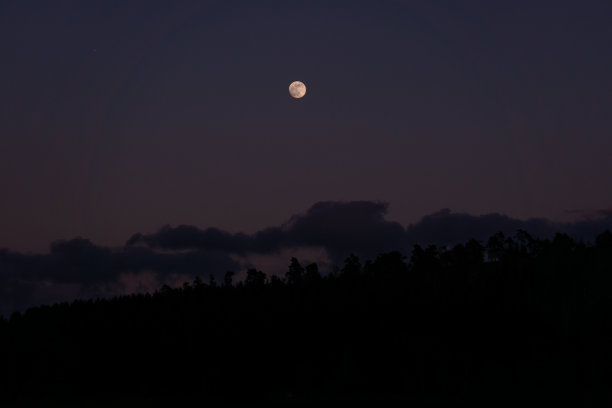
point(190, 237)
point(589, 214)
point(78, 267)
point(360, 227)
point(80, 261)
point(339, 227)
point(447, 228)
point(605, 212)
point(589, 228)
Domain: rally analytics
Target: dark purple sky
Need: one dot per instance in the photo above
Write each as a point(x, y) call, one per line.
point(119, 117)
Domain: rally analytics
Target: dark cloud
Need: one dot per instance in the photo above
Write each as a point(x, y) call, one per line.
point(358, 226)
point(605, 212)
point(589, 228)
point(361, 227)
point(190, 237)
point(587, 214)
point(447, 228)
point(80, 261)
point(79, 266)
point(339, 227)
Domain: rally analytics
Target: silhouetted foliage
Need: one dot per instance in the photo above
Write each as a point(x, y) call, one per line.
point(255, 278)
point(352, 267)
point(495, 246)
point(295, 274)
point(228, 278)
point(531, 320)
point(311, 273)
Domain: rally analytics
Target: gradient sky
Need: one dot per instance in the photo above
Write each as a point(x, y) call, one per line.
point(123, 116)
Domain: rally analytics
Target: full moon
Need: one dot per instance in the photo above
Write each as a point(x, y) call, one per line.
point(297, 89)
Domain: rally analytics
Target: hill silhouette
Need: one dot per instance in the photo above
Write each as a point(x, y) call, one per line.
point(329, 230)
point(510, 320)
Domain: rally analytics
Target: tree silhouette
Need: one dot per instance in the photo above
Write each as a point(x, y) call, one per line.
point(530, 322)
point(311, 273)
point(352, 267)
point(295, 274)
point(228, 278)
point(495, 246)
point(255, 278)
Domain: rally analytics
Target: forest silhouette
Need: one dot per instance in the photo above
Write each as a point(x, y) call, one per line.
point(509, 320)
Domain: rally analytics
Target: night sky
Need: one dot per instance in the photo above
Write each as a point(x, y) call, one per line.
point(121, 117)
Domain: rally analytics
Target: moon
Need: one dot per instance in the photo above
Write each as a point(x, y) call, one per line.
point(297, 89)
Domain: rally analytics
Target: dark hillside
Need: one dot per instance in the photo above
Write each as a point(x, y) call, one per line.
point(532, 321)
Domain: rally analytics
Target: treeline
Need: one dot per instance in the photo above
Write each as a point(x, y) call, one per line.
point(505, 320)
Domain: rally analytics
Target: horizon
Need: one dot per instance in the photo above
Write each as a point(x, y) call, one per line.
point(326, 234)
point(572, 217)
